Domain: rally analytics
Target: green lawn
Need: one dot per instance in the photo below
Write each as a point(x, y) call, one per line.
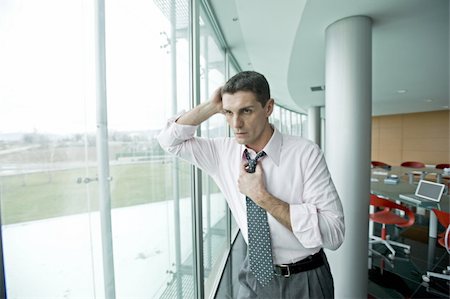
point(57, 193)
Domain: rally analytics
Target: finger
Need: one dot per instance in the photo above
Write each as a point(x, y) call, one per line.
point(244, 166)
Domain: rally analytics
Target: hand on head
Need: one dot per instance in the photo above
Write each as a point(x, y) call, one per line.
point(216, 99)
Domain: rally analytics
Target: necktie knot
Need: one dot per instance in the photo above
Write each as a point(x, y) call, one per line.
point(252, 162)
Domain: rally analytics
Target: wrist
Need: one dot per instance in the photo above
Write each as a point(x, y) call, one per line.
point(264, 199)
point(214, 107)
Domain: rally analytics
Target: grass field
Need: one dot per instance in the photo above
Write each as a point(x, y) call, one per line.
point(51, 194)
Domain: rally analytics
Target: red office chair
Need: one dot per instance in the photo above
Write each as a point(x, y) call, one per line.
point(444, 240)
point(442, 166)
point(413, 164)
point(380, 165)
point(411, 175)
point(387, 216)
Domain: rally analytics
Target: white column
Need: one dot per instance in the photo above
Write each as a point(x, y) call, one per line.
point(348, 109)
point(314, 124)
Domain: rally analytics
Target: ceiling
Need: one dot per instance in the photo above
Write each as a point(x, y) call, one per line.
point(285, 40)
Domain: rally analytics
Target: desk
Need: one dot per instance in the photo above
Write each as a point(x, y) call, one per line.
point(423, 172)
point(393, 191)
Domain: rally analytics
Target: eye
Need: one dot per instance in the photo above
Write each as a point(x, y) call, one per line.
point(247, 110)
point(228, 112)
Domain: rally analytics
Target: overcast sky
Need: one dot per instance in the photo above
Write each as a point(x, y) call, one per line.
point(47, 67)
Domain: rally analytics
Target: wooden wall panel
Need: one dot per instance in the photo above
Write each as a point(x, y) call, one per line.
point(391, 157)
point(375, 139)
point(390, 138)
point(391, 121)
point(431, 124)
point(421, 137)
point(431, 158)
point(426, 144)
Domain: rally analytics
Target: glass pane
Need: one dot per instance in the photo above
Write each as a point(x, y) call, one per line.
point(289, 121)
point(304, 119)
point(276, 118)
point(232, 70)
point(147, 52)
point(294, 123)
point(212, 71)
point(299, 124)
point(48, 193)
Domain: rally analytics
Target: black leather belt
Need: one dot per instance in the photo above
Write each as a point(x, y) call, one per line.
point(311, 262)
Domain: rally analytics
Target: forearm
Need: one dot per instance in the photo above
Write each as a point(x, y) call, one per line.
point(276, 207)
point(199, 114)
point(330, 224)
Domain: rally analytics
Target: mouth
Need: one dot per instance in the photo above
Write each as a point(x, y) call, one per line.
point(240, 134)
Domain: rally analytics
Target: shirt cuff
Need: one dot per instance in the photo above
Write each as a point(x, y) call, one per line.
point(305, 225)
point(174, 133)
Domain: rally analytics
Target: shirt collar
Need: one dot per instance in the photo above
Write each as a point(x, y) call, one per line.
point(272, 148)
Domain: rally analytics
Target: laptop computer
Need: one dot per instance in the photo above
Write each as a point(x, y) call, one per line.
point(426, 192)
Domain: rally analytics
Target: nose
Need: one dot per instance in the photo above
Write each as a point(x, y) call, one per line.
point(237, 122)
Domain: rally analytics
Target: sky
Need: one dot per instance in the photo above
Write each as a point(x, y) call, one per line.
point(47, 75)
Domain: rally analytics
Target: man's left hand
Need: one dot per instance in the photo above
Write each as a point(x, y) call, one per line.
point(252, 184)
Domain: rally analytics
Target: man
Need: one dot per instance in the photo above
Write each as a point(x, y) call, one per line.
point(290, 182)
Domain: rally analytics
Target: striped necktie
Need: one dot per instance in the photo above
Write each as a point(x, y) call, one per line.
point(259, 244)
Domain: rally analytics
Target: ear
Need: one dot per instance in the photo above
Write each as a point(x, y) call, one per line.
point(269, 107)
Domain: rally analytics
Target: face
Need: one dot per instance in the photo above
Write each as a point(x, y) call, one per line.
point(248, 119)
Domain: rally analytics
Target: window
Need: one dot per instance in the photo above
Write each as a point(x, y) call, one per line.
point(147, 77)
point(48, 194)
point(49, 190)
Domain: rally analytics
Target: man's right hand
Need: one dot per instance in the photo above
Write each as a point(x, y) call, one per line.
point(203, 111)
point(216, 99)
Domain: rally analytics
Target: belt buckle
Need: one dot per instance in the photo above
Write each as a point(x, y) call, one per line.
point(288, 270)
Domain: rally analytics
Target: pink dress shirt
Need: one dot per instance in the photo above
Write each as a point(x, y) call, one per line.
point(295, 171)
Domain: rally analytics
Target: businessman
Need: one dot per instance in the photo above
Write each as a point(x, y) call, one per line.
point(277, 186)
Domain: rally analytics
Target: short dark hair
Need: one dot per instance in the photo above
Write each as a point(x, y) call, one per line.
point(249, 81)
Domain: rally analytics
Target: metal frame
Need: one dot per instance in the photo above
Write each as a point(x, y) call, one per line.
point(102, 152)
point(175, 163)
point(196, 187)
point(2, 265)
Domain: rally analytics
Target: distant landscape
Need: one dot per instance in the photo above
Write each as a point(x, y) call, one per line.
point(43, 176)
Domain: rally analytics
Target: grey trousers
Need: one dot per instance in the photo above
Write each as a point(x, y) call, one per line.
point(316, 283)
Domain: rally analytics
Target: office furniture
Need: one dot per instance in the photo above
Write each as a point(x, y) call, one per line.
point(444, 240)
point(442, 166)
point(413, 164)
point(378, 187)
point(388, 216)
point(417, 173)
point(379, 164)
point(442, 177)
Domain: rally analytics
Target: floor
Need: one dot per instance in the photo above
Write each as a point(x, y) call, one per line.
point(401, 278)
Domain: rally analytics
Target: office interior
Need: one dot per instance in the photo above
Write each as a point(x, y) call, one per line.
point(92, 207)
